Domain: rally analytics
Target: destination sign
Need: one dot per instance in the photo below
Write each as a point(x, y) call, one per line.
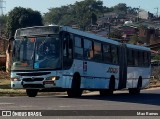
point(39, 30)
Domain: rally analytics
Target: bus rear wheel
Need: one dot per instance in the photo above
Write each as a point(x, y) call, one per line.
point(138, 89)
point(109, 91)
point(134, 91)
point(31, 92)
point(75, 90)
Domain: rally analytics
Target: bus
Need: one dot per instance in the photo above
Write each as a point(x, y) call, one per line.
point(53, 58)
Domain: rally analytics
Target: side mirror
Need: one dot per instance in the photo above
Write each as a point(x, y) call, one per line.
point(11, 39)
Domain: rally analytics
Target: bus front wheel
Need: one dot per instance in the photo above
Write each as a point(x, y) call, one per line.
point(31, 92)
point(75, 90)
point(105, 92)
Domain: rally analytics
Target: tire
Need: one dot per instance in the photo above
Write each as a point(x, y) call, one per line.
point(139, 84)
point(75, 90)
point(112, 83)
point(105, 92)
point(109, 91)
point(138, 89)
point(31, 92)
point(134, 91)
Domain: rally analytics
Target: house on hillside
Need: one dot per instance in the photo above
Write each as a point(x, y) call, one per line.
point(145, 15)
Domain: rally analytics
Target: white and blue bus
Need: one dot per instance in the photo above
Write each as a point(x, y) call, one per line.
point(53, 58)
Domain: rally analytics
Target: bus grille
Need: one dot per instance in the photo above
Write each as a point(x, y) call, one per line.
point(32, 79)
point(33, 86)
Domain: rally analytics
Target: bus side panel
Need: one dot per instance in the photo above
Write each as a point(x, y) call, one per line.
point(95, 75)
point(67, 77)
point(133, 74)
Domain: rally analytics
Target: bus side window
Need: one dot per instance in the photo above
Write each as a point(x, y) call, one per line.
point(130, 57)
point(135, 58)
point(97, 51)
point(67, 46)
point(107, 54)
point(114, 54)
point(140, 58)
point(88, 49)
point(145, 59)
point(78, 49)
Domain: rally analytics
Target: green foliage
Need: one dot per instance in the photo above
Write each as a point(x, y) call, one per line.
point(21, 17)
point(121, 7)
point(133, 39)
point(116, 34)
point(156, 57)
point(81, 14)
point(3, 20)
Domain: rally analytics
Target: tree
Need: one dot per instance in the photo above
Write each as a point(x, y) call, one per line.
point(121, 7)
point(21, 17)
point(3, 20)
point(134, 39)
point(82, 13)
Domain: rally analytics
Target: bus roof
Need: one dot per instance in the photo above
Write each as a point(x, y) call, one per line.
point(89, 35)
point(99, 38)
point(138, 47)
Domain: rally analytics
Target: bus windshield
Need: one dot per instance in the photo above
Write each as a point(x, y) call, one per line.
point(31, 53)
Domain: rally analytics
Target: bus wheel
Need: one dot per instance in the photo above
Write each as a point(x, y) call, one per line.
point(75, 90)
point(112, 83)
point(105, 92)
point(31, 92)
point(138, 89)
point(134, 91)
point(109, 91)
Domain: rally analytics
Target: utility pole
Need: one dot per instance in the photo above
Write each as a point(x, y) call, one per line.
point(1, 6)
point(157, 12)
point(1, 13)
point(138, 14)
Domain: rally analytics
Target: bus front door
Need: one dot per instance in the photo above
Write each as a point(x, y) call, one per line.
point(123, 66)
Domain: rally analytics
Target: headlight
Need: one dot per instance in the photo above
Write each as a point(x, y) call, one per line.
point(15, 79)
point(53, 78)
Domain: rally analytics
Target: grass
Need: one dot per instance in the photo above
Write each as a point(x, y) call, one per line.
point(5, 87)
point(5, 90)
point(12, 92)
